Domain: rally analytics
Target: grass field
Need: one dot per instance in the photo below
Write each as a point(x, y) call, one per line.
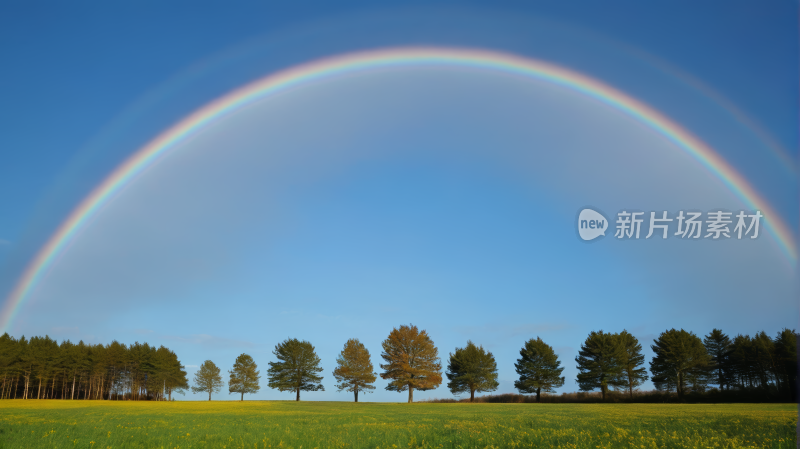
point(98, 424)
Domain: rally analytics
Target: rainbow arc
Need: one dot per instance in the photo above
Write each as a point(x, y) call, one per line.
point(382, 59)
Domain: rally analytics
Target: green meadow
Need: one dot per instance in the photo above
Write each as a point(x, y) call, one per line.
point(256, 424)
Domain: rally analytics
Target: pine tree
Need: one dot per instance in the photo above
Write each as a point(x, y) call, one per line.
point(175, 375)
point(297, 368)
point(471, 369)
point(764, 358)
point(786, 362)
point(42, 368)
point(412, 361)
point(680, 358)
point(207, 379)
point(718, 346)
point(600, 362)
point(244, 376)
point(116, 364)
point(354, 370)
point(633, 372)
point(538, 368)
point(741, 362)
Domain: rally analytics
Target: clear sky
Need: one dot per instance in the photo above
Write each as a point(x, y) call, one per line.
point(439, 196)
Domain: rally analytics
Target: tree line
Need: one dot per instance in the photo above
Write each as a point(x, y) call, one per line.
point(41, 368)
point(682, 363)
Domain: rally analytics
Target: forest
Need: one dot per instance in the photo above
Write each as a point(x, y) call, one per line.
point(757, 367)
point(41, 368)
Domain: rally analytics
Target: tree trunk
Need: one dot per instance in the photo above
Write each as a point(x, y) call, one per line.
point(73, 387)
point(538, 394)
point(242, 400)
point(410, 394)
point(630, 388)
point(471, 395)
point(298, 395)
point(356, 393)
point(39, 393)
point(209, 395)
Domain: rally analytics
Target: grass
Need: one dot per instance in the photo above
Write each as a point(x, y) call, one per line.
point(103, 424)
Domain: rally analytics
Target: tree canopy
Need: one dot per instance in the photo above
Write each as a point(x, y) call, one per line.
point(718, 345)
point(244, 376)
point(297, 368)
point(754, 367)
point(599, 362)
point(412, 361)
point(354, 370)
point(42, 368)
point(680, 359)
point(538, 368)
point(785, 355)
point(471, 369)
point(207, 379)
point(632, 374)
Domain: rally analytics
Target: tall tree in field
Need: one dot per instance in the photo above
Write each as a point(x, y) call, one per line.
point(244, 376)
point(297, 367)
point(207, 379)
point(412, 361)
point(633, 372)
point(680, 358)
point(718, 346)
point(599, 362)
point(354, 370)
point(538, 368)
point(471, 369)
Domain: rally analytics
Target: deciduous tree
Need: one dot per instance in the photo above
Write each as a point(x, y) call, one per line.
point(412, 361)
point(471, 369)
point(207, 379)
point(354, 370)
point(244, 376)
point(538, 368)
point(297, 367)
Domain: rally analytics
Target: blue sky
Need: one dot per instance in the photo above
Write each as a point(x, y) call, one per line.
point(445, 197)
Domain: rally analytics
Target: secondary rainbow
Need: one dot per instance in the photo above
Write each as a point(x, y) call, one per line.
point(381, 59)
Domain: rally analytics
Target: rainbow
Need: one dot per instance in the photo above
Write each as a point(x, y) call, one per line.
point(381, 59)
